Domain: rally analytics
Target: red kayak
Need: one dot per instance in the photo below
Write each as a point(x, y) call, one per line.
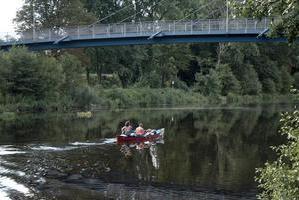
point(136, 139)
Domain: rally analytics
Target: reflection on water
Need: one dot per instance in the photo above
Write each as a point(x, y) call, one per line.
point(206, 154)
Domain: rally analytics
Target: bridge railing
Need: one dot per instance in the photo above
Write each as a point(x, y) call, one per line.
point(133, 29)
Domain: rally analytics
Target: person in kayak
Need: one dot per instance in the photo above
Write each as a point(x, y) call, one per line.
point(140, 130)
point(127, 129)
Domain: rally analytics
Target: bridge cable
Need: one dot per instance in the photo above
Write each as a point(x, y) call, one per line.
point(110, 15)
point(202, 7)
point(114, 13)
point(198, 9)
point(140, 12)
point(214, 11)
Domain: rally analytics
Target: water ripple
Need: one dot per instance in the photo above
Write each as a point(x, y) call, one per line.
point(9, 150)
point(105, 141)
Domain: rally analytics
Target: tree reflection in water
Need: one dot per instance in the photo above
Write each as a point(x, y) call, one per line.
point(206, 153)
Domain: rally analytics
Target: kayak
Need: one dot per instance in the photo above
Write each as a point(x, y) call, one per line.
point(151, 136)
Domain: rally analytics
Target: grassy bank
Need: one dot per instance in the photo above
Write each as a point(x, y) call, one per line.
point(146, 97)
point(88, 98)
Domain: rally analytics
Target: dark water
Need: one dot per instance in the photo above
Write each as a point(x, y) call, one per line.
point(207, 154)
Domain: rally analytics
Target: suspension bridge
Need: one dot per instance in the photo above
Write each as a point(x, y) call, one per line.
point(144, 33)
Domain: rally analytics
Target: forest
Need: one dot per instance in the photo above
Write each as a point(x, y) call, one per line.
point(126, 76)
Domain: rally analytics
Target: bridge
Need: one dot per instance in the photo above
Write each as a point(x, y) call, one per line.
point(144, 33)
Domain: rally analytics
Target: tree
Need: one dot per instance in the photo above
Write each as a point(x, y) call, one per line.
point(208, 85)
point(228, 81)
point(250, 84)
point(72, 69)
point(268, 86)
point(288, 21)
point(286, 81)
point(52, 14)
point(101, 58)
point(169, 60)
point(30, 75)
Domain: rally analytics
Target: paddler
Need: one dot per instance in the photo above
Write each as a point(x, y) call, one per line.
point(140, 130)
point(127, 129)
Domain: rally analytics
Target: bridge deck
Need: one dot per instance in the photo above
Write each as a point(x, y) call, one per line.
point(139, 30)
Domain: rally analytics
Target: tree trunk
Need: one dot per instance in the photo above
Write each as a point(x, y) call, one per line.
point(98, 65)
point(220, 52)
point(122, 80)
point(100, 73)
point(162, 80)
point(88, 75)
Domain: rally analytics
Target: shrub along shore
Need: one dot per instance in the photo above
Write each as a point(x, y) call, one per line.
point(95, 99)
point(37, 82)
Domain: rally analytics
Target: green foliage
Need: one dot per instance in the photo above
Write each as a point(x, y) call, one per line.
point(287, 10)
point(7, 116)
point(146, 97)
point(84, 96)
point(72, 69)
point(30, 75)
point(250, 83)
point(228, 81)
point(268, 86)
point(112, 81)
point(286, 81)
point(52, 14)
point(208, 85)
point(279, 179)
point(151, 80)
point(218, 82)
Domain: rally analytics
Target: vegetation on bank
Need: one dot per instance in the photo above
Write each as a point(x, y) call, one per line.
point(280, 179)
point(39, 82)
point(285, 12)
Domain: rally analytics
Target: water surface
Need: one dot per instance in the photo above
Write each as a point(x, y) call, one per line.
point(207, 153)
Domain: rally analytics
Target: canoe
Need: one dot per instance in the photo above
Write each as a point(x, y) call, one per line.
point(158, 134)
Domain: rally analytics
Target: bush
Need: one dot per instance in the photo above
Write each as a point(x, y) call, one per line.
point(109, 82)
point(72, 69)
point(153, 80)
point(209, 84)
point(178, 84)
point(280, 179)
point(228, 81)
point(268, 86)
point(147, 97)
point(250, 83)
point(84, 96)
point(30, 75)
point(286, 80)
point(7, 116)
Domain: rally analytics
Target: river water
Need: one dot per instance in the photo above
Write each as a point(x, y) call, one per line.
point(207, 153)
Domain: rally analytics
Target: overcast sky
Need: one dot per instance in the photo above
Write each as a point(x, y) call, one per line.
point(8, 11)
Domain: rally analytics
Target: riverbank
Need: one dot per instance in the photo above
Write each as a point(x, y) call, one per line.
point(95, 99)
point(145, 97)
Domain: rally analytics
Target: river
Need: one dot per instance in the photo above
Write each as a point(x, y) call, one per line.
point(207, 153)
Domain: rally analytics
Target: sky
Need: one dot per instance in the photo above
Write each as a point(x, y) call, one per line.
point(8, 11)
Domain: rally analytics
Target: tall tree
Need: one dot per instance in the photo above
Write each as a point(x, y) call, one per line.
point(52, 14)
point(287, 12)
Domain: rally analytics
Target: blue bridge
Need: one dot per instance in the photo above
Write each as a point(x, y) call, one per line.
point(144, 33)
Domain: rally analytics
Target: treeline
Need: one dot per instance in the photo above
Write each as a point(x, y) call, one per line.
point(81, 76)
point(31, 81)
